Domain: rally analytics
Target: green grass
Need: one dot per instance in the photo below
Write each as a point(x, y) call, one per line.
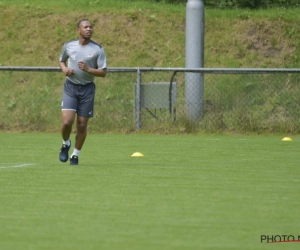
point(187, 192)
point(87, 5)
point(146, 34)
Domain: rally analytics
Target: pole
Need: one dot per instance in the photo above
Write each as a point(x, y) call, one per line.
point(194, 82)
point(137, 111)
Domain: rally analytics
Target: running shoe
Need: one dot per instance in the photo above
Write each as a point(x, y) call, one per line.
point(64, 152)
point(74, 160)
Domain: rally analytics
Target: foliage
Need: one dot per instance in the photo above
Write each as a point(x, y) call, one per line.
point(252, 4)
point(141, 34)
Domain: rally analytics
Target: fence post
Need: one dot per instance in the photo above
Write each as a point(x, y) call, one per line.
point(138, 100)
point(194, 82)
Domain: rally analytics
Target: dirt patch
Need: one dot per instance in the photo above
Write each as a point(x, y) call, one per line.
point(266, 38)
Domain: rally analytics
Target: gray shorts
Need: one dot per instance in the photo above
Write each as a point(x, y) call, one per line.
point(79, 98)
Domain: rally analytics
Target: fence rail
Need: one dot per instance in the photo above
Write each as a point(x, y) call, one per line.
point(145, 69)
point(235, 99)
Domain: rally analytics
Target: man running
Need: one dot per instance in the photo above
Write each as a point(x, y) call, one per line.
point(80, 60)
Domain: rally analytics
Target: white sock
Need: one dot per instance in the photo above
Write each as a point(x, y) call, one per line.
point(68, 143)
point(76, 152)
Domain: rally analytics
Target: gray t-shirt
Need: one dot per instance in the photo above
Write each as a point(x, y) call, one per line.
point(92, 54)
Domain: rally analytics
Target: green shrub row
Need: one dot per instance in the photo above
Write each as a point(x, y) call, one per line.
point(252, 4)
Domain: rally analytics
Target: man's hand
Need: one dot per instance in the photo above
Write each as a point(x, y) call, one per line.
point(95, 72)
point(83, 66)
point(69, 72)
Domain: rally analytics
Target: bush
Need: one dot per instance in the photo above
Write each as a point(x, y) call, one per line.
point(251, 4)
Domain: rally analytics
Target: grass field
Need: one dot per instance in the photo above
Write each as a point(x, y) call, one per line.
point(187, 192)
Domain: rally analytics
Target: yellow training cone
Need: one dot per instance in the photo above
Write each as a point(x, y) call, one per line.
point(137, 154)
point(287, 139)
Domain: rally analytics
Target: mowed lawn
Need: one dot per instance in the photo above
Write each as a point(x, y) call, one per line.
point(187, 192)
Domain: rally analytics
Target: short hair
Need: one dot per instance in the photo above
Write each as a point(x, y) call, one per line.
point(82, 20)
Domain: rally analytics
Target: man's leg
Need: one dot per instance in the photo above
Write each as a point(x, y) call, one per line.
point(82, 123)
point(68, 117)
point(80, 138)
point(85, 109)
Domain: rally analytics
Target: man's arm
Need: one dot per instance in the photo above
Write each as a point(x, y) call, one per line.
point(95, 72)
point(67, 71)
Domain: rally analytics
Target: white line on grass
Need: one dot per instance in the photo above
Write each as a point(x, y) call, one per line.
point(17, 166)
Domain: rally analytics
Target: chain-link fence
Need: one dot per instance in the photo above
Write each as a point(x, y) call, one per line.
point(158, 100)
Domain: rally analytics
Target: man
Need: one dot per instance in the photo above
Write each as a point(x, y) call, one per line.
point(80, 60)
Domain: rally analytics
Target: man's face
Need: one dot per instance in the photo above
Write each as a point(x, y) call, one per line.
point(85, 29)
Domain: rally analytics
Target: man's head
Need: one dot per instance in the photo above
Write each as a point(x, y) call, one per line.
point(85, 29)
